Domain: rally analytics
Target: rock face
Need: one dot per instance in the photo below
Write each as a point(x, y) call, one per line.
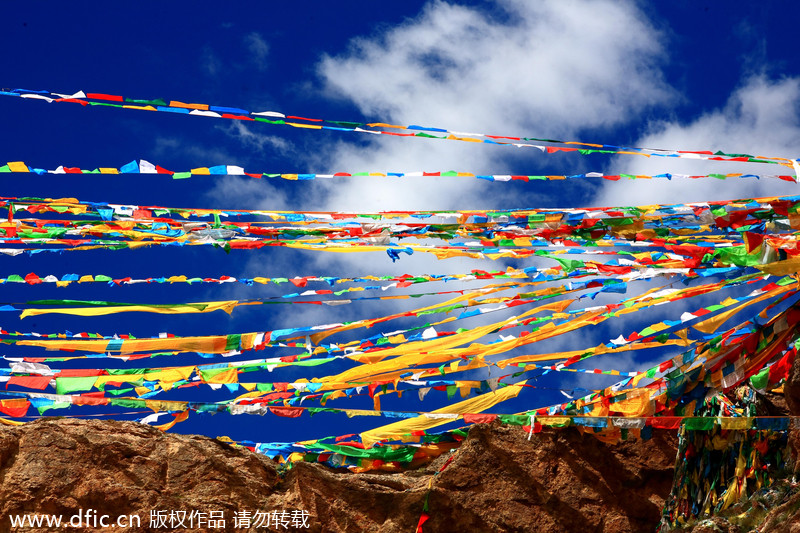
point(791, 391)
point(560, 481)
point(60, 466)
point(791, 388)
point(497, 481)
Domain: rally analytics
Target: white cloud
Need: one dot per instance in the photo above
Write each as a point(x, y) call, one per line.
point(166, 147)
point(234, 192)
point(256, 142)
point(555, 63)
point(210, 63)
point(760, 118)
point(258, 48)
point(531, 68)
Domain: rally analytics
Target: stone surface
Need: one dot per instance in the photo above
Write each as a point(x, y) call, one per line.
point(791, 388)
point(115, 468)
point(560, 481)
point(497, 481)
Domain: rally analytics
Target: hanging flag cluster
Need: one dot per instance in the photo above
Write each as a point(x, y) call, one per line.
point(728, 256)
point(719, 468)
point(732, 232)
point(724, 276)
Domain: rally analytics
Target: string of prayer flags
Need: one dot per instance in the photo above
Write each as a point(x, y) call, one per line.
point(146, 168)
point(546, 146)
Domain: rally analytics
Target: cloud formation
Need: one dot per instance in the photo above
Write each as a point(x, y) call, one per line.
point(256, 142)
point(549, 68)
point(551, 65)
point(761, 117)
point(258, 49)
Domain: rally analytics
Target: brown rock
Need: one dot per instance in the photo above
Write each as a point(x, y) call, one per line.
point(497, 481)
point(61, 466)
point(791, 391)
point(772, 404)
point(791, 388)
point(557, 481)
point(785, 517)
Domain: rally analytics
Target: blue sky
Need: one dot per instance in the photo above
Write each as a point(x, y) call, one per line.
point(678, 75)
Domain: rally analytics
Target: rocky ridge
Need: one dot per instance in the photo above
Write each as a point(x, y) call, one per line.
point(497, 481)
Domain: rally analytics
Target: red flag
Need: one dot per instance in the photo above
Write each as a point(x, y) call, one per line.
point(288, 412)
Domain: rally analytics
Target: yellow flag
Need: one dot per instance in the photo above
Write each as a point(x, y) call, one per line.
point(477, 404)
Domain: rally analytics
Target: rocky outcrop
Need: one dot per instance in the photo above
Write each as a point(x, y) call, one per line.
point(498, 480)
point(791, 388)
point(61, 466)
point(559, 481)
